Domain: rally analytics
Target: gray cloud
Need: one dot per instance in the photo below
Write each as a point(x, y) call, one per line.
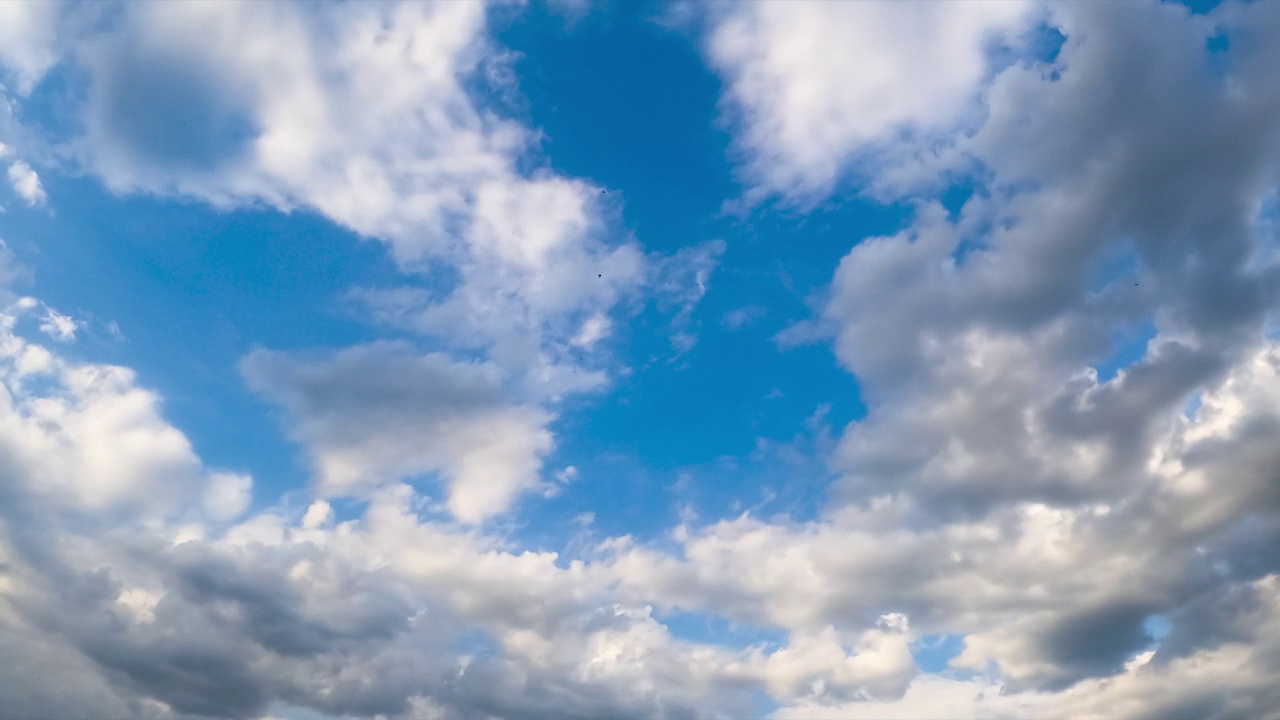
point(379, 413)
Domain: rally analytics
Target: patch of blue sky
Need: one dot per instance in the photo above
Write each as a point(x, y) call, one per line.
point(933, 653)
point(1192, 405)
point(1267, 233)
point(1040, 44)
point(344, 508)
point(1219, 60)
point(1157, 628)
point(1129, 346)
point(1044, 43)
point(957, 195)
point(646, 130)
point(477, 643)
point(705, 628)
point(763, 704)
point(683, 429)
point(49, 106)
point(1198, 7)
point(1119, 273)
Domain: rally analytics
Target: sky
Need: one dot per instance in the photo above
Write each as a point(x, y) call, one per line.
point(558, 359)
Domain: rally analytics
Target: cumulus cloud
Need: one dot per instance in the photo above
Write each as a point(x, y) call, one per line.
point(376, 414)
point(158, 613)
point(27, 43)
point(94, 443)
point(976, 339)
point(177, 102)
point(813, 88)
point(228, 495)
point(425, 165)
point(58, 326)
point(26, 183)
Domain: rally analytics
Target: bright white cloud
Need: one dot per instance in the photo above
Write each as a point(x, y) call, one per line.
point(363, 617)
point(27, 35)
point(422, 166)
point(94, 443)
point(177, 103)
point(228, 495)
point(26, 183)
point(815, 87)
point(58, 326)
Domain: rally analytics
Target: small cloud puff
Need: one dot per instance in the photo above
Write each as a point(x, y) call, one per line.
point(58, 326)
point(26, 183)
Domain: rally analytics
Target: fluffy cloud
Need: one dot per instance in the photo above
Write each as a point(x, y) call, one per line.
point(26, 183)
point(130, 595)
point(27, 36)
point(815, 87)
point(85, 438)
point(376, 414)
point(243, 104)
point(999, 488)
point(247, 104)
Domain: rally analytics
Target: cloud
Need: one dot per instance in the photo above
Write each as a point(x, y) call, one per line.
point(94, 443)
point(1069, 508)
point(27, 36)
point(176, 103)
point(739, 318)
point(228, 495)
point(152, 611)
point(1228, 681)
point(680, 282)
point(814, 88)
point(26, 183)
point(366, 616)
point(375, 414)
point(58, 326)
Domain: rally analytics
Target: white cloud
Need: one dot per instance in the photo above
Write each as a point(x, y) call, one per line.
point(319, 513)
point(364, 616)
point(26, 183)
point(27, 36)
point(814, 87)
point(429, 165)
point(422, 166)
point(228, 495)
point(376, 414)
point(818, 667)
point(594, 329)
point(739, 318)
point(58, 326)
point(359, 618)
point(97, 442)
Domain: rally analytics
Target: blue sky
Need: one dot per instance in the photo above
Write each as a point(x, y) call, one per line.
point(192, 289)
point(563, 359)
